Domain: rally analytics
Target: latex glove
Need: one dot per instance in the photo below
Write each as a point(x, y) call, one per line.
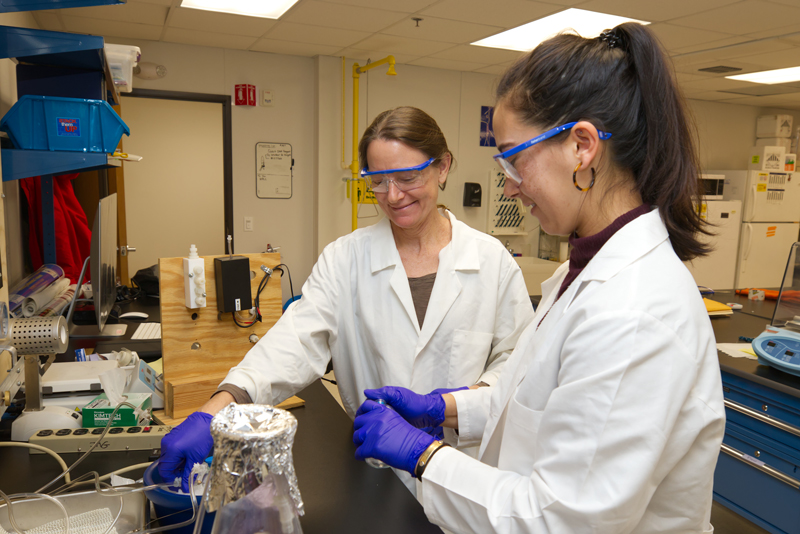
point(383, 434)
point(419, 410)
point(187, 444)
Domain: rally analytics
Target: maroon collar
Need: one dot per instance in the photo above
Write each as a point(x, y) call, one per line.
point(585, 248)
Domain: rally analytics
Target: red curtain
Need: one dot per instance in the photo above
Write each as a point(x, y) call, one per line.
point(73, 235)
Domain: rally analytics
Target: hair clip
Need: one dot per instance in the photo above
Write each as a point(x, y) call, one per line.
point(612, 38)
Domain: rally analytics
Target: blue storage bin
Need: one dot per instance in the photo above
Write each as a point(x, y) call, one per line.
point(57, 123)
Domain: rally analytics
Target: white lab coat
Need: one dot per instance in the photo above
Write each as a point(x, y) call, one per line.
point(357, 310)
point(608, 417)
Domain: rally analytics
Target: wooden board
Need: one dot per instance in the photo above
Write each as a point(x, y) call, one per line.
point(161, 415)
point(199, 346)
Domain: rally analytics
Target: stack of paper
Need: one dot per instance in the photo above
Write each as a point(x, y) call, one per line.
point(715, 308)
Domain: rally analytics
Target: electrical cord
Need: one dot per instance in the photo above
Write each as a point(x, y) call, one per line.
point(278, 268)
point(51, 452)
point(257, 317)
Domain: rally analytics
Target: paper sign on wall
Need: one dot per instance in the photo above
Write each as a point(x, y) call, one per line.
point(274, 164)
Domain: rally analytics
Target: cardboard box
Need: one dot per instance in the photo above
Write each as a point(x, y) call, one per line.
point(785, 142)
point(767, 158)
point(774, 126)
point(96, 413)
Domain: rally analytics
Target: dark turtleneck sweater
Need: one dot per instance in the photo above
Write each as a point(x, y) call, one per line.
point(585, 248)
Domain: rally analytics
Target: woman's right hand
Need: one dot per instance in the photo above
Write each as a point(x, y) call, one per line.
point(420, 410)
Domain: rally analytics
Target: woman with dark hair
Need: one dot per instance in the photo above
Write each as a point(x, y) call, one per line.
point(608, 417)
point(418, 299)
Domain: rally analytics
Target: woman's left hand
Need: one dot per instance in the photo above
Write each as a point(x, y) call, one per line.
point(382, 433)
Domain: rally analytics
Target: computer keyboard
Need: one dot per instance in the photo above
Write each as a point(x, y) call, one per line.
point(147, 331)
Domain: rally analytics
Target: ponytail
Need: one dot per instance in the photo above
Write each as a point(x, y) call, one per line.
point(620, 82)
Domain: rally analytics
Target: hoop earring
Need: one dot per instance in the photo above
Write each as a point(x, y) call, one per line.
point(575, 179)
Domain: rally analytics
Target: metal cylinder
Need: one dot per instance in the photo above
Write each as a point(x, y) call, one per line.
point(251, 441)
point(39, 335)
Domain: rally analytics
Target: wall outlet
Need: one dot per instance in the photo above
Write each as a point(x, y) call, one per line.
point(248, 224)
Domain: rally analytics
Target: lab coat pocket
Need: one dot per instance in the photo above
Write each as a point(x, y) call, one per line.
point(468, 357)
point(519, 441)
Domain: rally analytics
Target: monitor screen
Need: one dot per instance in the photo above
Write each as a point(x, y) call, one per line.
point(104, 259)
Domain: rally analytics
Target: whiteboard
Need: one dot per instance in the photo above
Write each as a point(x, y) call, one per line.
point(274, 164)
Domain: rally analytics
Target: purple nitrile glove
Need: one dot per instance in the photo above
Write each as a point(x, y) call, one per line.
point(187, 444)
point(442, 391)
point(383, 434)
point(419, 410)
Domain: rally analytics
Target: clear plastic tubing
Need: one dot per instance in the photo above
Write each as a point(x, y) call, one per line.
point(374, 462)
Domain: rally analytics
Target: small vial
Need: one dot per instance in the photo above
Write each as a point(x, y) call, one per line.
point(374, 462)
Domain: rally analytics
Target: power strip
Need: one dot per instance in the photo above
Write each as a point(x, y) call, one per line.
point(118, 438)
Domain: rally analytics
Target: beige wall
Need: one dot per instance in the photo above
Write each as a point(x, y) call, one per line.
point(308, 115)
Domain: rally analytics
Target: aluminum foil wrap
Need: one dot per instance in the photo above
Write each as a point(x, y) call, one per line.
point(250, 441)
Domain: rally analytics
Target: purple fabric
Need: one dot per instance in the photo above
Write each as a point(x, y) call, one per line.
point(585, 248)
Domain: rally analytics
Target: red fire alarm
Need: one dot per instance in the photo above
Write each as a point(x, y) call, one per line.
point(244, 94)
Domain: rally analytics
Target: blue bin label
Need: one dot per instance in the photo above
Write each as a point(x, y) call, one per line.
point(69, 127)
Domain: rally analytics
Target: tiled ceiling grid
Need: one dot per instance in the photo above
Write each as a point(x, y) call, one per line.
point(750, 35)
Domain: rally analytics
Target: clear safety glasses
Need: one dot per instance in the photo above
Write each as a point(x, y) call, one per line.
point(404, 179)
point(508, 167)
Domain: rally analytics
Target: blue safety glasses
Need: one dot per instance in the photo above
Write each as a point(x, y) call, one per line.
point(404, 179)
point(508, 167)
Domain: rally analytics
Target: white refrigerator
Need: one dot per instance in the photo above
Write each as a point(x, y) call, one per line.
point(770, 223)
point(717, 270)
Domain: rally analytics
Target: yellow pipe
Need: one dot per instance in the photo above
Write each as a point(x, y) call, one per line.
point(354, 170)
point(343, 105)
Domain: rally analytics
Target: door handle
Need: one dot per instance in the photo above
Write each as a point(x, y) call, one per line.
point(124, 249)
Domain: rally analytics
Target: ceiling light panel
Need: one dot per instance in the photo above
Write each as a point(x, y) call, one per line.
point(770, 77)
point(526, 37)
point(268, 9)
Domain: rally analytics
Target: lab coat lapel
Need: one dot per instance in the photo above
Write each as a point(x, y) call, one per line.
point(459, 255)
point(385, 255)
point(630, 243)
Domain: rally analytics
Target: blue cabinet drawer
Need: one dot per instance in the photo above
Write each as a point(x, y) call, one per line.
point(763, 410)
point(756, 490)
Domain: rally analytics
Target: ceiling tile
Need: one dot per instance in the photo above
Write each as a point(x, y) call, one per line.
point(303, 33)
point(492, 69)
point(742, 18)
point(111, 28)
point(48, 21)
point(345, 17)
point(159, 2)
point(447, 64)
point(711, 45)
point(208, 21)
point(402, 6)
point(391, 44)
point(180, 35)
point(792, 32)
point(136, 12)
point(480, 54)
point(293, 49)
point(503, 13)
point(777, 101)
point(778, 59)
point(713, 96)
point(444, 30)
point(653, 11)
point(364, 55)
point(715, 84)
point(679, 37)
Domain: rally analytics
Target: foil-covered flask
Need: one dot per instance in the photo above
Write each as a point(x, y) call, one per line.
point(253, 486)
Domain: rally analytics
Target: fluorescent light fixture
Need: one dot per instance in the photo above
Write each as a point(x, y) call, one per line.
point(268, 9)
point(769, 77)
point(526, 37)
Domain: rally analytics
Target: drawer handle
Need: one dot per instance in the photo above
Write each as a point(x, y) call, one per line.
point(771, 471)
point(762, 417)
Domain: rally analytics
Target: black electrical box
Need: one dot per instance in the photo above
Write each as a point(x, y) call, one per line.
point(232, 274)
point(472, 195)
